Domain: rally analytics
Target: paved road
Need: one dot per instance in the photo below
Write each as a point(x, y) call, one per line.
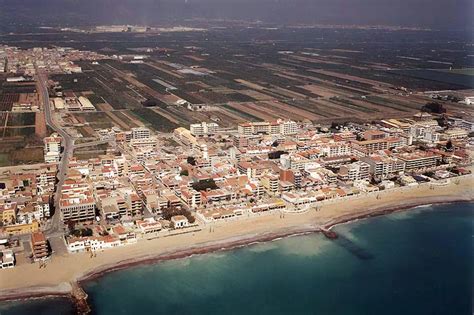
point(68, 144)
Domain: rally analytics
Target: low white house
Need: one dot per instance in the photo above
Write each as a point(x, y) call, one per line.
point(76, 245)
point(408, 180)
point(82, 244)
point(179, 221)
point(387, 184)
point(7, 259)
point(469, 100)
point(148, 226)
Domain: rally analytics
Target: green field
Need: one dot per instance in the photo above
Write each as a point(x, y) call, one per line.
point(155, 120)
point(21, 119)
point(4, 159)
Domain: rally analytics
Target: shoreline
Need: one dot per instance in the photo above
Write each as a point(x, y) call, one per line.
point(38, 293)
point(65, 290)
point(249, 241)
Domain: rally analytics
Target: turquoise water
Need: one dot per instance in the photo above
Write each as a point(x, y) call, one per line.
point(417, 262)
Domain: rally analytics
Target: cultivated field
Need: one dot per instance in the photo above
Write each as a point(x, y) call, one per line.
point(301, 74)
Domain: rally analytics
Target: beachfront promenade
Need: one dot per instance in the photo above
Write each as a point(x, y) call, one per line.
point(61, 270)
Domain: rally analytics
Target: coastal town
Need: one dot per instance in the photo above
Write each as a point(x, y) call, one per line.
point(266, 157)
point(151, 185)
point(80, 191)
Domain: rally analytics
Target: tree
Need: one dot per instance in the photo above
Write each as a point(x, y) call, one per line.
point(276, 154)
point(334, 126)
point(449, 145)
point(82, 232)
point(205, 185)
point(191, 218)
point(150, 103)
point(433, 107)
point(168, 213)
point(71, 225)
point(191, 160)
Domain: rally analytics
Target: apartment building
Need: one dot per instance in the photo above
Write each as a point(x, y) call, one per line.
point(373, 134)
point(367, 147)
point(293, 176)
point(384, 166)
point(288, 128)
point(203, 129)
point(252, 169)
point(21, 229)
point(418, 160)
point(455, 134)
point(191, 197)
point(344, 136)
point(279, 127)
point(336, 149)
point(77, 202)
point(39, 246)
point(184, 136)
point(134, 204)
point(218, 195)
point(399, 124)
point(271, 184)
point(141, 133)
point(354, 171)
point(52, 149)
point(294, 161)
point(462, 123)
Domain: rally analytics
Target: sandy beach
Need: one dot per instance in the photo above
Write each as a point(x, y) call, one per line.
point(27, 280)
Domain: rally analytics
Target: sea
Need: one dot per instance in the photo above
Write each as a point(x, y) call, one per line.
point(412, 262)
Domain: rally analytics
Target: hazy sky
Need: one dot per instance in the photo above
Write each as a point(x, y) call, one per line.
point(425, 13)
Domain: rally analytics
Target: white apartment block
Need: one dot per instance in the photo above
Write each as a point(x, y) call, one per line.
point(336, 149)
point(383, 166)
point(294, 161)
point(203, 129)
point(280, 127)
point(418, 160)
point(364, 148)
point(288, 128)
point(463, 124)
point(52, 149)
point(355, 171)
point(141, 133)
point(191, 197)
point(455, 134)
point(77, 209)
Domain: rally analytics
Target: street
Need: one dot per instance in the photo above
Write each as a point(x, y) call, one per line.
point(68, 147)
